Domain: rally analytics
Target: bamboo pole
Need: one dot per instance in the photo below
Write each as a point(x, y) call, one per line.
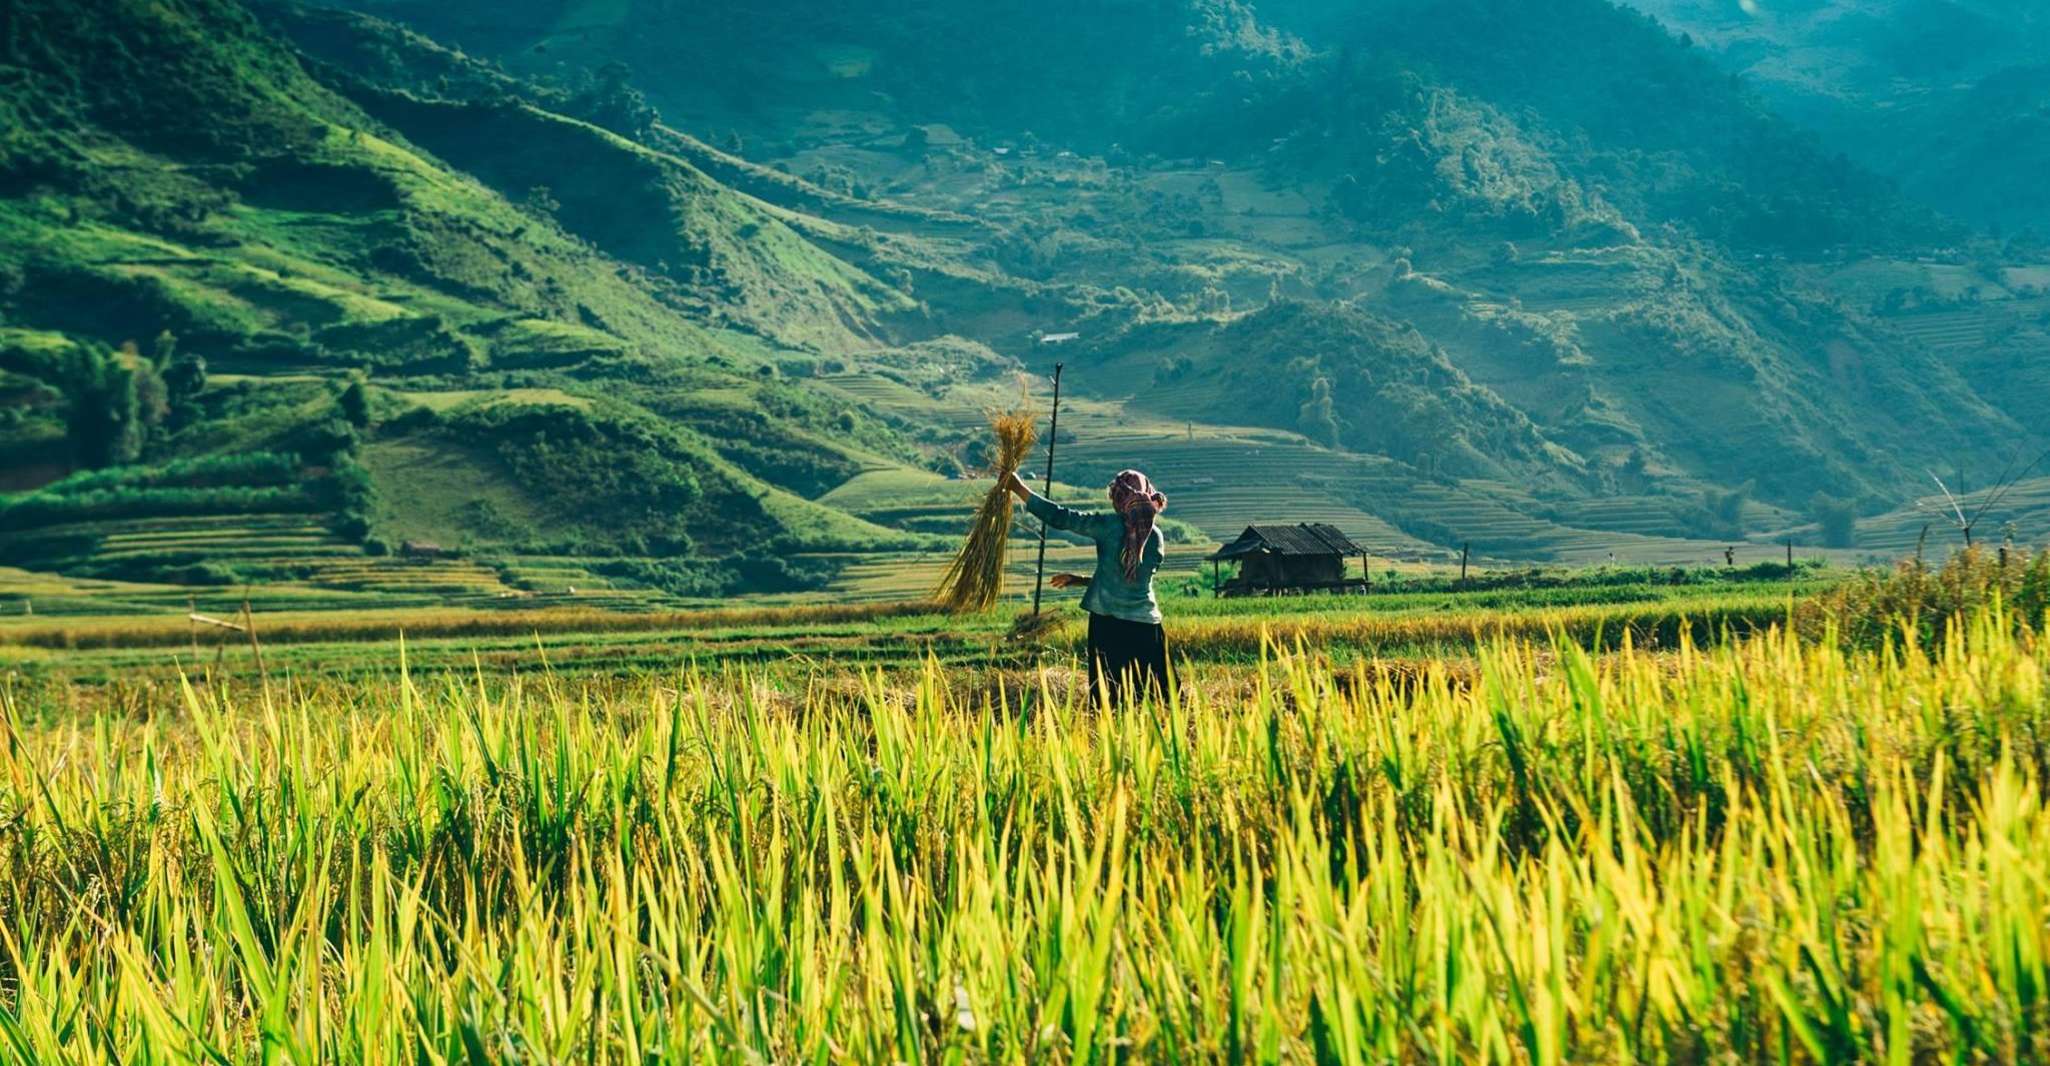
point(1053, 431)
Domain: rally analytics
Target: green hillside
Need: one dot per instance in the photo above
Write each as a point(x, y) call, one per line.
point(688, 300)
point(213, 258)
point(1583, 214)
point(1344, 379)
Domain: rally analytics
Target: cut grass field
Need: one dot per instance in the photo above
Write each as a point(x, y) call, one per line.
point(1762, 851)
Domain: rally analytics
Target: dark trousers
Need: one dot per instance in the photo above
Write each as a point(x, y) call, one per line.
point(1125, 653)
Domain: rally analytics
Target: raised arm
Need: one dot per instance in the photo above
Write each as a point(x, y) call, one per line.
point(1053, 514)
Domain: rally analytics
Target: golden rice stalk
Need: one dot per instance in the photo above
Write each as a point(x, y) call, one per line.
point(975, 578)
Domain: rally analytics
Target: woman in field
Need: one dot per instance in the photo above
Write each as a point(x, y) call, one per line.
point(1126, 642)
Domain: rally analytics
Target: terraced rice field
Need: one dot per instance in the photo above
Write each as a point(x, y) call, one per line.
point(885, 393)
point(1944, 330)
point(1645, 515)
point(1224, 485)
point(900, 576)
point(296, 562)
point(1896, 533)
point(1222, 479)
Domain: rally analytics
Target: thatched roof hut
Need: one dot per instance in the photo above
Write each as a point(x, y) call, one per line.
point(1307, 556)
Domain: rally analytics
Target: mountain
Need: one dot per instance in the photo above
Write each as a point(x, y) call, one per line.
point(706, 298)
point(583, 336)
point(1951, 98)
point(1583, 213)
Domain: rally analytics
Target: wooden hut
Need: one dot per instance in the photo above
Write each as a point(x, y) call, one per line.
point(1306, 557)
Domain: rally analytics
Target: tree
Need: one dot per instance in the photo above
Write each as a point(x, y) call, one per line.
point(1317, 419)
point(185, 378)
point(1725, 508)
point(613, 102)
point(1837, 519)
point(355, 403)
point(1636, 465)
point(324, 443)
point(104, 422)
point(540, 202)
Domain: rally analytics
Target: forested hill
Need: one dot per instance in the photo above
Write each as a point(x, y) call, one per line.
point(1577, 206)
point(709, 296)
point(1616, 101)
point(238, 297)
point(1951, 98)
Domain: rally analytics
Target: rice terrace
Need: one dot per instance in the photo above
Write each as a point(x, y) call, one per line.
point(1282, 531)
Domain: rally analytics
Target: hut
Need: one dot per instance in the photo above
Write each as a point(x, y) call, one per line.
point(1306, 557)
point(421, 549)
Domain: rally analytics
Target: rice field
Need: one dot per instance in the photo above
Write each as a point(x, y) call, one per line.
point(1414, 617)
point(1760, 849)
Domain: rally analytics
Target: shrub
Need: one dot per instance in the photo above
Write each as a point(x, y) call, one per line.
point(784, 573)
point(1914, 601)
point(324, 442)
point(677, 577)
point(42, 508)
point(246, 470)
point(355, 404)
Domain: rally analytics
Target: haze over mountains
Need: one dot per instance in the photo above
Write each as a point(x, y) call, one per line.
point(713, 293)
point(1949, 97)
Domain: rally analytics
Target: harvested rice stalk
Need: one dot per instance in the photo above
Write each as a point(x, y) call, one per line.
point(1034, 629)
point(976, 577)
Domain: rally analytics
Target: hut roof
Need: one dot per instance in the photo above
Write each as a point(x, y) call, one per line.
point(1303, 538)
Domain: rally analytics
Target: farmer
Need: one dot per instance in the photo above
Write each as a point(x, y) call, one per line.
point(1125, 638)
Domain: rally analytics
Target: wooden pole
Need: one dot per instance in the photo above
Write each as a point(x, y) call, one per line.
point(1464, 549)
point(249, 626)
point(1790, 555)
point(1053, 435)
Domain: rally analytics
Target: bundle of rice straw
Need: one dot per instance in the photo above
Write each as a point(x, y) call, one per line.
point(976, 577)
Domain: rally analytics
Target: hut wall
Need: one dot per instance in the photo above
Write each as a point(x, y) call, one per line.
point(1289, 571)
point(1313, 569)
point(1263, 571)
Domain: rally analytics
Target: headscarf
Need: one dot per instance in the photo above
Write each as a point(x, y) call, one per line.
point(1138, 503)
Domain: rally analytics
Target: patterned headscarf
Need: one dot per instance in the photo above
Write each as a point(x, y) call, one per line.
point(1138, 503)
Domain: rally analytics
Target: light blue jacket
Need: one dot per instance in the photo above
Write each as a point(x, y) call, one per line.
point(1109, 593)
